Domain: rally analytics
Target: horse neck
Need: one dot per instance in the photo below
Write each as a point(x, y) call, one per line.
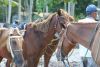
point(81, 33)
point(53, 28)
point(3, 37)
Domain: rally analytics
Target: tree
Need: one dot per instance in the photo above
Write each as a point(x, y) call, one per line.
point(19, 10)
point(65, 4)
point(9, 11)
point(99, 8)
point(30, 11)
point(5, 6)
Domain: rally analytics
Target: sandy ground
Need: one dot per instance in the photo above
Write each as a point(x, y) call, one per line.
point(74, 60)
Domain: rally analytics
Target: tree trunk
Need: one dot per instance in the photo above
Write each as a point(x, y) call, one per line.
point(26, 5)
point(99, 11)
point(46, 6)
point(71, 8)
point(30, 11)
point(65, 6)
point(19, 11)
point(34, 5)
point(9, 11)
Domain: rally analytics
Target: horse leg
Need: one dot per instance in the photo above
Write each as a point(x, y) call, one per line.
point(48, 54)
point(8, 63)
point(36, 62)
point(32, 62)
point(46, 59)
point(7, 55)
point(1, 59)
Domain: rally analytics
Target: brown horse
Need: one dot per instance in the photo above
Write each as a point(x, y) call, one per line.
point(83, 33)
point(3, 49)
point(4, 46)
point(38, 36)
point(52, 47)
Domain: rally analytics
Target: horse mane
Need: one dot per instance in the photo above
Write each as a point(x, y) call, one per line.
point(43, 25)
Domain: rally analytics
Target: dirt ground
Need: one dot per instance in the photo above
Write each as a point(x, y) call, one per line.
point(73, 59)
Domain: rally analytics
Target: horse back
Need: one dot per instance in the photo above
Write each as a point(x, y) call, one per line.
point(96, 47)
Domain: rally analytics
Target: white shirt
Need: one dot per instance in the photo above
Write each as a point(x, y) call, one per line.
point(87, 20)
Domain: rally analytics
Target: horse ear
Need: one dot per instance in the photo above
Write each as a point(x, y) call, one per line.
point(59, 12)
point(71, 18)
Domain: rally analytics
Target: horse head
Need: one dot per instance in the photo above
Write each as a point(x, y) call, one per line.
point(14, 46)
point(66, 45)
point(63, 18)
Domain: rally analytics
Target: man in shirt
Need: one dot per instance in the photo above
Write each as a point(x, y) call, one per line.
point(91, 12)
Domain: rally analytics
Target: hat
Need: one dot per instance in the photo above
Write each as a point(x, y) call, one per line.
point(91, 8)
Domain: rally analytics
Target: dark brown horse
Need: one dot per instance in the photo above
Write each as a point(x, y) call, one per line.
point(4, 45)
point(83, 33)
point(53, 45)
point(38, 36)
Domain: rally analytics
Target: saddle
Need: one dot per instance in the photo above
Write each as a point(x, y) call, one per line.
point(96, 47)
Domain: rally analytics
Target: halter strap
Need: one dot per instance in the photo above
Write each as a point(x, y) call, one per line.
point(61, 41)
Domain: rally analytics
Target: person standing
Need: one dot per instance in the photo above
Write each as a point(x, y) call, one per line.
point(15, 24)
point(91, 12)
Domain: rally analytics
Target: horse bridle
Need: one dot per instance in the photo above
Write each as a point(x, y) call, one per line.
point(60, 46)
point(57, 35)
point(61, 25)
point(9, 47)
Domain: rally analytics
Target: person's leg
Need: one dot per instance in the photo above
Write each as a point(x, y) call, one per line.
point(85, 61)
point(91, 62)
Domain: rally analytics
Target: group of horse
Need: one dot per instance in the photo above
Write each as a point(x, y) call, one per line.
point(42, 38)
point(38, 39)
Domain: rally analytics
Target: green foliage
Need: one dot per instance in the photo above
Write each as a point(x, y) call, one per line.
point(3, 8)
point(39, 5)
point(81, 6)
point(55, 4)
point(6, 2)
point(80, 16)
point(52, 4)
point(73, 1)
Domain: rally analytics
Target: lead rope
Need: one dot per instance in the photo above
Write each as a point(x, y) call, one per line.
point(60, 43)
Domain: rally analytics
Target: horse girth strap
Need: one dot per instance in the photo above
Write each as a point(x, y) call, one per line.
point(94, 33)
